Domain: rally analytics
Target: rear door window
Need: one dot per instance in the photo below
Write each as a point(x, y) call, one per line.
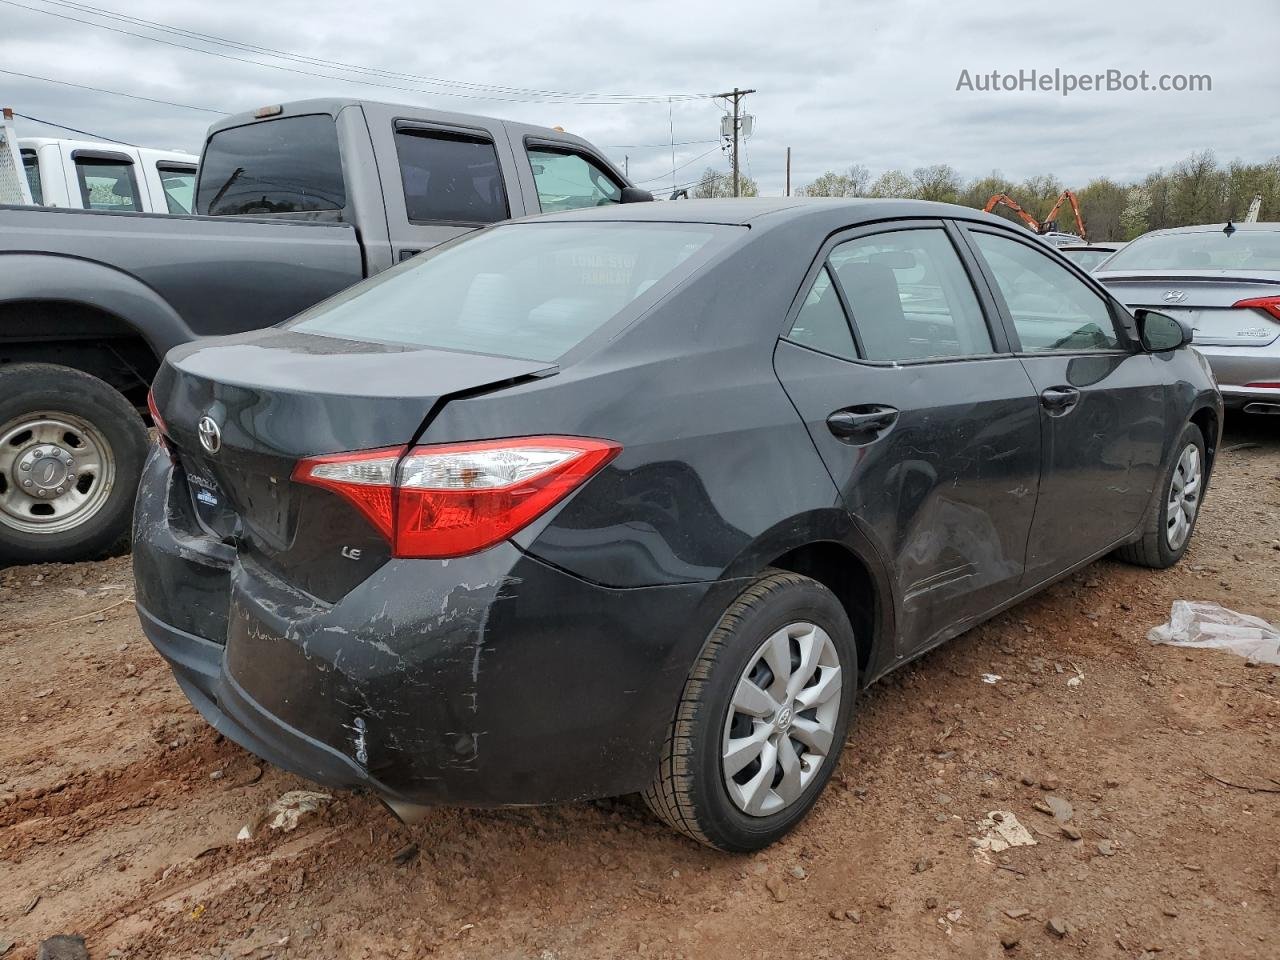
point(289, 165)
point(910, 296)
point(450, 178)
point(179, 182)
point(31, 164)
point(1052, 309)
point(527, 290)
point(106, 183)
point(569, 181)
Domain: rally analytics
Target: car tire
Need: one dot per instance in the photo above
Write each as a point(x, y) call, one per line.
point(691, 790)
point(1157, 548)
point(50, 415)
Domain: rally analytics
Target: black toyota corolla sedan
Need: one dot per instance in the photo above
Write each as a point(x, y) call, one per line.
point(638, 498)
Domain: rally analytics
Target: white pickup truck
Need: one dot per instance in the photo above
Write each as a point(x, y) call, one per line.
point(91, 175)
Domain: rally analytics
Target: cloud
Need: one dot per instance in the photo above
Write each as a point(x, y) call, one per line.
point(840, 83)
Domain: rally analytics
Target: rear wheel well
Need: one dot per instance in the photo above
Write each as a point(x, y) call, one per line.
point(842, 572)
point(81, 337)
point(1207, 421)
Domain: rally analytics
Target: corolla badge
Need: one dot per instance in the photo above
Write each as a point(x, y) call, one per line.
point(210, 434)
point(1174, 296)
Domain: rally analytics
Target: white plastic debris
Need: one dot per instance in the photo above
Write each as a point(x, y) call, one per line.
point(999, 830)
point(991, 678)
point(1195, 624)
point(285, 812)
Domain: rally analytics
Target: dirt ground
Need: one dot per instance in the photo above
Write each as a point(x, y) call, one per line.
point(120, 808)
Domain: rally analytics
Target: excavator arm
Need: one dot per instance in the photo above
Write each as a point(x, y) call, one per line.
point(1067, 197)
point(1008, 201)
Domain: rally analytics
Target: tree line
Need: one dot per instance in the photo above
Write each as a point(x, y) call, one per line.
point(1196, 190)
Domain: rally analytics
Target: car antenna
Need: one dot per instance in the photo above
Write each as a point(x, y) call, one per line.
point(1229, 229)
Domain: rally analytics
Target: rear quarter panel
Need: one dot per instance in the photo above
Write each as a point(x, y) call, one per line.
point(717, 469)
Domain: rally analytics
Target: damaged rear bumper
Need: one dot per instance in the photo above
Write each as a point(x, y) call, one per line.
point(490, 679)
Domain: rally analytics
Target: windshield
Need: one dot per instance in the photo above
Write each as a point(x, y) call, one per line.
point(179, 184)
point(1202, 250)
point(531, 290)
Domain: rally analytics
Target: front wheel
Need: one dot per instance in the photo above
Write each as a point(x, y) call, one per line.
point(1171, 520)
point(762, 717)
point(71, 453)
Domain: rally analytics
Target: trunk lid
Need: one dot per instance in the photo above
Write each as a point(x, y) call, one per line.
point(276, 396)
point(1204, 299)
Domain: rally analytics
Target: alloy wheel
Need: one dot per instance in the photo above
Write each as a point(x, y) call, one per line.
point(782, 719)
point(1184, 497)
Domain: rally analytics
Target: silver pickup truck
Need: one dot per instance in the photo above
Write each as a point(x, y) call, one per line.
point(293, 204)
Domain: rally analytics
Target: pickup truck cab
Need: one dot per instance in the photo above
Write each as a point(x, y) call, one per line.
point(92, 175)
point(293, 203)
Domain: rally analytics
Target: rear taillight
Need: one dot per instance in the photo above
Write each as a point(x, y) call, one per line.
point(1268, 305)
point(1265, 384)
point(162, 428)
point(449, 500)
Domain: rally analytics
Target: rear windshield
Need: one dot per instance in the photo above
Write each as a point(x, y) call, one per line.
point(1207, 250)
point(290, 165)
point(531, 290)
point(1087, 259)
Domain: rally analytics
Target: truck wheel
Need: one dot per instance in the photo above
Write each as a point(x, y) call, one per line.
point(763, 715)
point(71, 453)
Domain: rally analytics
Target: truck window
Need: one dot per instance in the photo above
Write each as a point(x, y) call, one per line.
point(567, 181)
point(179, 182)
point(450, 177)
point(106, 183)
point(32, 167)
point(290, 165)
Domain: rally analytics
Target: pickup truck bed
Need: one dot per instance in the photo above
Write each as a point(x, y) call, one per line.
point(158, 270)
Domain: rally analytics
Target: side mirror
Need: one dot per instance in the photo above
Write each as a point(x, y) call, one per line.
point(1159, 331)
point(635, 195)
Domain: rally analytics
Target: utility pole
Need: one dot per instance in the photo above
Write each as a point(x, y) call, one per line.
point(788, 171)
point(736, 96)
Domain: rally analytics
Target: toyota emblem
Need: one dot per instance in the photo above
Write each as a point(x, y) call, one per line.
point(210, 435)
point(1174, 296)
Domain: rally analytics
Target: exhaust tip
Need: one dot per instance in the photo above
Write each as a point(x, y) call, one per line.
point(1266, 408)
point(406, 813)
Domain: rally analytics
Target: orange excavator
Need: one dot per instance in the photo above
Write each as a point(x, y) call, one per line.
point(1050, 224)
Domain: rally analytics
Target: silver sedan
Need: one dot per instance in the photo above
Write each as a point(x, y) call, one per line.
point(1224, 280)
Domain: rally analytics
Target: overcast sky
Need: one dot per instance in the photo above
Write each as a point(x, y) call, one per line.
point(840, 83)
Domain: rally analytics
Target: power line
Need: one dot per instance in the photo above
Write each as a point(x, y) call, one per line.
point(106, 13)
point(548, 97)
point(114, 93)
point(664, 145)
point(667, 173)
point(63, 126)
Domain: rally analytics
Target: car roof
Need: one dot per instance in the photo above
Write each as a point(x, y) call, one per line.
point(761, 212)
point(1266, 226)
